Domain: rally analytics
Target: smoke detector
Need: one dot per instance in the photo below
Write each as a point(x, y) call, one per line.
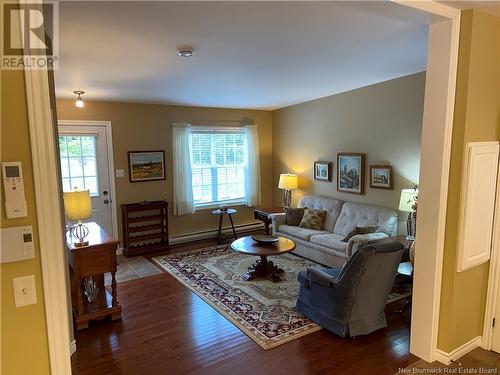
point(185, 51)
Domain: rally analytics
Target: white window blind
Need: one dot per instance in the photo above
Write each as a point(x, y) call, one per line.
point(218, 166)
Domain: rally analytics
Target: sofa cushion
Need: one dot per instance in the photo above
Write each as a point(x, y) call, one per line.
point(313, 219)
point(302, 233)
point(330, 240)
point(359, 230)
point(332, 207)
point(365, 215)
point(293, 215)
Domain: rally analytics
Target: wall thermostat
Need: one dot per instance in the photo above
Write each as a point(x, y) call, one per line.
point(13, 186)
point(16, 244)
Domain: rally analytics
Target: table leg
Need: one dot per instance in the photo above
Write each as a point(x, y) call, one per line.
point(263, 268)
point(232, 225)
point(79, 296)
point(114, 301)
point(266, 226)
point(219, 233)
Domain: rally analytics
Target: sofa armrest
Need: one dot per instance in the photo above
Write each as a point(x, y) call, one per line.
point(277, 220)
point(315, 275)
point(361, 240)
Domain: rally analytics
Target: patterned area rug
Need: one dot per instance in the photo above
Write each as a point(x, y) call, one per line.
point(263, 310)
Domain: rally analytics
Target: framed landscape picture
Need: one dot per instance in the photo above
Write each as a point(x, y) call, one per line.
point(323, 170)
point(381, 176)
point(351, 172)
point(146, 165)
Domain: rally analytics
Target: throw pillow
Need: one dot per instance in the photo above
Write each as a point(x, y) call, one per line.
point(359, 230)
point(313, 219)
point(293, 215)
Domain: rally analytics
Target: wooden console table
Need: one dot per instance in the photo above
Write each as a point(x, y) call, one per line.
point(262, 214)
point(93, 261)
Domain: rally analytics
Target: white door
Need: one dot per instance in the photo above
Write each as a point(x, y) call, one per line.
point(85, 165)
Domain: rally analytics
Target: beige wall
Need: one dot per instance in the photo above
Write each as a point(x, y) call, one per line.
point(383, 120)
point(148, 127)
point(477, 118)
point(24, 347)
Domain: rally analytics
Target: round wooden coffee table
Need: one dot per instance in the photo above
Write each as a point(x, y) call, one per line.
point(263, 267)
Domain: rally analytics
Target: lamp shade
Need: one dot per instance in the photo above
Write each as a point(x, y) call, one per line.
point(288, 181)
point(77, 205)
point(407, 199)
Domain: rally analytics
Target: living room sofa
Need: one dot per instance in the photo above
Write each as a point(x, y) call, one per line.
point(326, 246)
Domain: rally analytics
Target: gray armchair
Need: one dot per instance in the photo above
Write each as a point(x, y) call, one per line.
point(350, 301)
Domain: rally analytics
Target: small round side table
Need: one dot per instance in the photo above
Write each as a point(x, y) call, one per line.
point(230, 212)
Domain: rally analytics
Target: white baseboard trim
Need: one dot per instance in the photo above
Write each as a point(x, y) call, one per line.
point(446, 358)
point(212, 233)
point(205, 234)
point(72, 347)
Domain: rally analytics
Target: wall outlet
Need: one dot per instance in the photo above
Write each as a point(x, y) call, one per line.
point(120, 173)
point(24, 290)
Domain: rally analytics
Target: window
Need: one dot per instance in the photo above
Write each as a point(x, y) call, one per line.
point(218, 166)
point(78, 162)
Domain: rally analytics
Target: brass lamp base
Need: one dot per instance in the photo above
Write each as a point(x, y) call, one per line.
point(81, 244)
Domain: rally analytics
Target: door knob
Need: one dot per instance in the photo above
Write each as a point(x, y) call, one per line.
point(106, 201)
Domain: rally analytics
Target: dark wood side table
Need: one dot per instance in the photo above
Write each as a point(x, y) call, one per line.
point(262, 214)
point(93, 261)
point(405, 269)
point(229, 212)
point(403, 241)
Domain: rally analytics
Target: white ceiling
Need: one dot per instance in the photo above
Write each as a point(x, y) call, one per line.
point(248, 55)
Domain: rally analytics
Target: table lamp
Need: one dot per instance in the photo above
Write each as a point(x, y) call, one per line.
point(78, 207)
point(408, 203)
point(288, 182)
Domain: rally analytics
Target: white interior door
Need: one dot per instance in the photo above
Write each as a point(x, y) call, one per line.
point(85, 165)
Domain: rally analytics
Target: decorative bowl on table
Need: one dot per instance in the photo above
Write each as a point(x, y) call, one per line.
point(264, 238)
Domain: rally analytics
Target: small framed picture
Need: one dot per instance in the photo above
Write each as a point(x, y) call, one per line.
point(351, 172)
point(146, 165)
point(381, 176)
point(323, 170)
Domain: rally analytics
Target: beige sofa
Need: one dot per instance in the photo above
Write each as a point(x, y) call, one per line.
point(326, 246)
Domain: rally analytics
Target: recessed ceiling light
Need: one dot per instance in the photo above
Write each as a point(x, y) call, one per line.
point(185, 51)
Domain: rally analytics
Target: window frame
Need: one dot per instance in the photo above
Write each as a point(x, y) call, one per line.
point(221, 130)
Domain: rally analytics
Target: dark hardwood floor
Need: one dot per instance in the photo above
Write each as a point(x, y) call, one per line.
point(167, 329)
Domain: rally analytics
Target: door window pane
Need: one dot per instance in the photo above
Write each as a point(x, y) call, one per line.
point(79, 163)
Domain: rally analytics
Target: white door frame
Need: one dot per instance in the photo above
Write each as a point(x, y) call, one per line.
point(49, 218)
point(493, 276)
point(424, 326)
point(439, 102)
point(111, 164)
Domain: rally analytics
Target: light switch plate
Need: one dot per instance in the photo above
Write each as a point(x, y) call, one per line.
point(120, 173)
point(24, 290)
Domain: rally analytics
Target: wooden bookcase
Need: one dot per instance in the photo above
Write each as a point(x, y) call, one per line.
point(145, 227)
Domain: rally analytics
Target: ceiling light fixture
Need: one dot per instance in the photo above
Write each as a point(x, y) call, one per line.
point(185, 51)
point(79, 101)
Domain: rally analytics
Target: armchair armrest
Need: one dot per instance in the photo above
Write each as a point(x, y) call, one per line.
point(361, 240)
point(315, 275)
point(277, 220)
